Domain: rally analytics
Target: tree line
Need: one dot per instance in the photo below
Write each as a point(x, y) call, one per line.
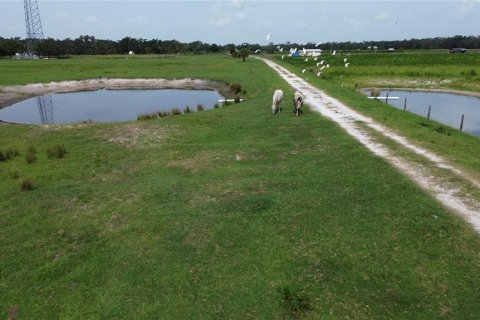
point(89, 45)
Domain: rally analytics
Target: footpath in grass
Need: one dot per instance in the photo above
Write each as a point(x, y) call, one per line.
point(229, 213)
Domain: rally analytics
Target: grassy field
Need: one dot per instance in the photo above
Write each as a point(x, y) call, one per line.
point(421, 70)
point(225, 214)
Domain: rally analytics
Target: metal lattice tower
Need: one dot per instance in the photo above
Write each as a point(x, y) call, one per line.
point(33, 25)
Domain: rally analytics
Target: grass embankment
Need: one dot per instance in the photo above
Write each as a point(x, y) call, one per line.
point(230, 213)
point(413, 70)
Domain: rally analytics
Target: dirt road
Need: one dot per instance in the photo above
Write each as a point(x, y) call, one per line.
point(435, 176)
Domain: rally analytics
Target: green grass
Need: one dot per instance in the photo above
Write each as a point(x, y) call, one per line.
point(227, 213)
point(371, 70)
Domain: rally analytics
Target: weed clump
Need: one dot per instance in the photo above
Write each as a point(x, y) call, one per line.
point(147, 116)
point(8, 154)
point(375, 92)
point(26, 185)
point(176, 111)
point(295, 306)
point(31, 157)
point(235, 88)
point(56, 151)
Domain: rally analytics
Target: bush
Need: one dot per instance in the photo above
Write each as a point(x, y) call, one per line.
point(235, 88)
point(200, 108)
point(216, 106)
point(187, 110)
point(26, 185)
point(56, 152)
point(176, 111)
point(237, 100)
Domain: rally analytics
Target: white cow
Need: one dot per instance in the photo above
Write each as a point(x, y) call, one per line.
point(277, 100)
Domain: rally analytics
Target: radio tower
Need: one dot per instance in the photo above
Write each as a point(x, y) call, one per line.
point(33, 25)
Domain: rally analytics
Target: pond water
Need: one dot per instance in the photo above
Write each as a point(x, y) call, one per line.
point(446, 108)
point(105, 105)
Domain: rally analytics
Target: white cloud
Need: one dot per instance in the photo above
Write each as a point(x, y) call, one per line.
point(382, 16)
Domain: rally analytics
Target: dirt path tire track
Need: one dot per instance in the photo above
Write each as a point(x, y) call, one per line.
point(451, 196)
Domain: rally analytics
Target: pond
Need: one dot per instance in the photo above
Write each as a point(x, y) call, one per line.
point(105, 105)
point(446, 108)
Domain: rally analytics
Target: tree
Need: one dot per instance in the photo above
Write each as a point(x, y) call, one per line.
point(243, 53)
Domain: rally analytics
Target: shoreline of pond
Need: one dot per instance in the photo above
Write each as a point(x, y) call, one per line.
point(450, 91)
point(13, 94)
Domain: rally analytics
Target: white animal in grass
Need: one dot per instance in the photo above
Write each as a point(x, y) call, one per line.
point(277, 100)
point(298, 100)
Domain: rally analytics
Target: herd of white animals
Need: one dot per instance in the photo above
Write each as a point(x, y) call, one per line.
point(298, 100)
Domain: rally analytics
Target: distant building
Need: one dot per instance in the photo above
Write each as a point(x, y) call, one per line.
point(458, 50)
point(311, 52)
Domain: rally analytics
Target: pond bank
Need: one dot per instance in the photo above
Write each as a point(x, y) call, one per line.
point(13, 94)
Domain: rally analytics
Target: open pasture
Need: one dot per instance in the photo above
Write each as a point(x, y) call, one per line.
point(228, 213)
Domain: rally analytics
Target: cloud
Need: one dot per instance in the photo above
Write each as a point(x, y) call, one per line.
point(220, 22)
point(465, 8)
point(91, 19)
point(382, 16)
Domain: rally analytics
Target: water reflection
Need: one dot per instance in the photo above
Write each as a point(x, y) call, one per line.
point(106, 105)
point(45, 109)
point(446, 108)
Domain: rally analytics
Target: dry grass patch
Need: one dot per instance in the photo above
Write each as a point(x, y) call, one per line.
point(199, 161)
point(137, 135)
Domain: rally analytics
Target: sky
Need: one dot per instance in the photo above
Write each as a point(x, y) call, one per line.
point(239, 21)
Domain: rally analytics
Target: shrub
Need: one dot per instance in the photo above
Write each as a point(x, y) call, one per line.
point(235, 88)
point(31, 149)
point(30, 157)
point(216, 106)
point(56, 151)
point(163, 114)
point(200, 108)
point(187, 110)
point(26, 185)
point(237, 100)
point(176, 111)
